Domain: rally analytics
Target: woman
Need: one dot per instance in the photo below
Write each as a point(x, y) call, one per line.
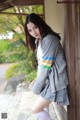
point(51, 81)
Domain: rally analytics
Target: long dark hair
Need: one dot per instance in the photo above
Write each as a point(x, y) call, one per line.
point(43, 27)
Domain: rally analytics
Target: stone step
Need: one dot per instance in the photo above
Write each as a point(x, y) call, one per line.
point(18, 106)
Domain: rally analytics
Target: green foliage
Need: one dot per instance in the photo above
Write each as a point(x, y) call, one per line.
point(14, 23)
point(4, 45)
point(21, 68)
point(12, 51)
point(15, 50)
point(12, 70)
point(31, 76)
point(2, 58)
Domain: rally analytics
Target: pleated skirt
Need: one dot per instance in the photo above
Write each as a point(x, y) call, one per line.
point(60, 97)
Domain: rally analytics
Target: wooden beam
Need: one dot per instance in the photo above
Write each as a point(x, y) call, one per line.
point(19, 14)
point(5, 8)
point(26, 2)
point(1, 1)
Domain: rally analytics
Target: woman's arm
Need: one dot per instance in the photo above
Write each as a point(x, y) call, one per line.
point(49, 48)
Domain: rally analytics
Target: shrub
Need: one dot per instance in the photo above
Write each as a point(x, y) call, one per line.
point(21, 68)
point(12, 51)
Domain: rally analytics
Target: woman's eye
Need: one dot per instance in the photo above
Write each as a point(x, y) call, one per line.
point(29, 31)
point(35, 27)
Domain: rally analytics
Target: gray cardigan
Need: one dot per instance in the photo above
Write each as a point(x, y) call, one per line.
point(51, 66)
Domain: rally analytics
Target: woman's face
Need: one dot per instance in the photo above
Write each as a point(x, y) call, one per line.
point(33, 30)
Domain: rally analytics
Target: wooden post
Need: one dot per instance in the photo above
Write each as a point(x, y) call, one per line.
point(72, 50)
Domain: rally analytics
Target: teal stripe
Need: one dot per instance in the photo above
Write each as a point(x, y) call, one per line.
point(49, 58)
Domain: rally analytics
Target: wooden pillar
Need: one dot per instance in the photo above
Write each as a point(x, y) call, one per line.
point(77, 60)
point(72, 50)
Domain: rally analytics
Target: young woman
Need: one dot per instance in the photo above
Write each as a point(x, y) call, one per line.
point(51, 81)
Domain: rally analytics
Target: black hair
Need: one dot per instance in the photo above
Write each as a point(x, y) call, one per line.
point(43, 27)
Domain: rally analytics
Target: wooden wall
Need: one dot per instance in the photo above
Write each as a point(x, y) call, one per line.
point(72, 50)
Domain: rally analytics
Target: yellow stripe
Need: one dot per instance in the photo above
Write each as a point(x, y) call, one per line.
point(48, 61)
point(47, 64)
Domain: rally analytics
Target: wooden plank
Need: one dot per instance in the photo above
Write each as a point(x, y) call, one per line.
point(1, 1)
point(70, 55)
point(8, 4)
point(78, 64)
point(72, 48)
point(27, 2)
point(18, 14)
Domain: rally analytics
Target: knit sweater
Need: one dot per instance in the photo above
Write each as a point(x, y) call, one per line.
point(51, 65)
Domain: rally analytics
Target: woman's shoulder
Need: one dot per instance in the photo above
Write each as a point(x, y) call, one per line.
point(50, 36)
point(50, 39)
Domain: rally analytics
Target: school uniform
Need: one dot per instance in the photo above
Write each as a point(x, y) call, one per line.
point(51, 81)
